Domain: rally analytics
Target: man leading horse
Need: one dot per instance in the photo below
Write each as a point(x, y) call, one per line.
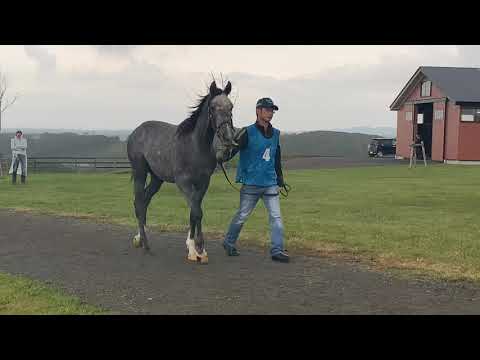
point(260, 172)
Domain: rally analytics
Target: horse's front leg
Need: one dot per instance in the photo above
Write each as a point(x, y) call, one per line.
point(195, 242)
point(199, 240)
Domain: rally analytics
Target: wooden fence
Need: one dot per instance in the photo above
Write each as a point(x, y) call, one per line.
point(49, 163)
point(41, 163)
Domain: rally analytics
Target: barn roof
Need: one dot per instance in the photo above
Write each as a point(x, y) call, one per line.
point(457, 83)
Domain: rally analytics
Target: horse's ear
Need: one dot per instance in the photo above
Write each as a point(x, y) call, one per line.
point(228, 88)
point(213, 88)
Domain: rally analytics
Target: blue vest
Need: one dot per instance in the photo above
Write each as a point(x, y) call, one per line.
point(257, 160)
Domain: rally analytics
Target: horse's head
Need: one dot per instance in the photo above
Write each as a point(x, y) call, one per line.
point(220, 116)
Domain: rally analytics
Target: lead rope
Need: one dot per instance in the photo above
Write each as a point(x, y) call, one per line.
point(226, 176)
point(287, 190)
point(286, 187)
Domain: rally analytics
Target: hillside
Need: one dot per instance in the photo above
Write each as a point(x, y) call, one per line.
point(383, 131)
point(318, 143)
point(67, 144)
point(325, 143)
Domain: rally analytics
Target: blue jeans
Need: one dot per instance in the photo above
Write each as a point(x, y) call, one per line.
point(249, 196)
point(19, 159)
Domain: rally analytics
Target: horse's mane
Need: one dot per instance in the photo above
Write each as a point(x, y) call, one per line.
point(187, 125)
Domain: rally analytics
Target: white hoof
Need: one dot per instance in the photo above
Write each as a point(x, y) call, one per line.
point(193, 255)
point(189, 241)
point(136, 241)
point(198, 258)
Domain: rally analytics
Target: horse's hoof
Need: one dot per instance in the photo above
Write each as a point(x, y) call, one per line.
point(136, 241)
point(197, 259)
point(193, 257)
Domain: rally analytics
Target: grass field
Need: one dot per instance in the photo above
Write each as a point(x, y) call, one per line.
point(423, 219)
point(20, 296)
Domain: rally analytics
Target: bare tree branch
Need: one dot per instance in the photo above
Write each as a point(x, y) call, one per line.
point(3, 85)
point(9, 103)
point(4, 102)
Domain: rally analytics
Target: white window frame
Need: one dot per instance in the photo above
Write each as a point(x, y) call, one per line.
point(423, 89)
point(470, 118)
point(438, 114)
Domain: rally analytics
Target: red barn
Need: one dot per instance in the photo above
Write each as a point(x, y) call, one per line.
point(442, 105)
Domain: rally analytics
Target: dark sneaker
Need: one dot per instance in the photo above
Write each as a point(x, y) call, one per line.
point(231, 251)
point(281, 257)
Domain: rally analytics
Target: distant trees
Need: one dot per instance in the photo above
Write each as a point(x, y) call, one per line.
point(69, 145)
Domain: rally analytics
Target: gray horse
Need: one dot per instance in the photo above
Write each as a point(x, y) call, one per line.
point(186, 155)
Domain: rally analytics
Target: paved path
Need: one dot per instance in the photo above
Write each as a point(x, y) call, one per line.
point(98, 264)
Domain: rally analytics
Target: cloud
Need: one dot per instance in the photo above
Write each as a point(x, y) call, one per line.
point(44, 59)
point(318, 87)
point(469, 55)
point(116, 50)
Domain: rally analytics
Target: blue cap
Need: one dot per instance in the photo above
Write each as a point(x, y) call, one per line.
point(266, 103)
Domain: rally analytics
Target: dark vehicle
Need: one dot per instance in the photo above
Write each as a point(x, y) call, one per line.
point(382, 146)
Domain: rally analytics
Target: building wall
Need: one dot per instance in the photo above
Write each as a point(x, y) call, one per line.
point(452, 131)
point(468, 140)
point(438, 132)
point(415, 93)
point(404, 131)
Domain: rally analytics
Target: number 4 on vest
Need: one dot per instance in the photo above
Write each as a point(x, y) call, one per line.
point(266, 155)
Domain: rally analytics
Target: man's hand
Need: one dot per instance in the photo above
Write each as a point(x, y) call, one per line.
point(282, 184)
point(238, 134)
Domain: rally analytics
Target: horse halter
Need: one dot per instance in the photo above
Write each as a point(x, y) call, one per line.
point(222, 124)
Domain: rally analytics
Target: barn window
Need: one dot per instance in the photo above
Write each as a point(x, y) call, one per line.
point(470, 114)
point(408, 116)
point(426, 88)
point(438, 114)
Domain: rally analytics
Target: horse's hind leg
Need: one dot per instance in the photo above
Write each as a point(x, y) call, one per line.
point(151, 190)
point(140, 177)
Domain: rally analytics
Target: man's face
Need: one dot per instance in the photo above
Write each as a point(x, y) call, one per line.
point(19, 135)
point(265, 114)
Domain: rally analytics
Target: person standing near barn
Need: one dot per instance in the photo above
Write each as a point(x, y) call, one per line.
point(260, 171)
point(19, 156)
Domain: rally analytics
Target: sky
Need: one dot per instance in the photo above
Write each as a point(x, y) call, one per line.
point(316, 87)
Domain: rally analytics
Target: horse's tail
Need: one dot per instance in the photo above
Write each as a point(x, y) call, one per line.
point(129, 138)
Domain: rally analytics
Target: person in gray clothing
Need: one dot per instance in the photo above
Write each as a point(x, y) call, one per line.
point(19, 152)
